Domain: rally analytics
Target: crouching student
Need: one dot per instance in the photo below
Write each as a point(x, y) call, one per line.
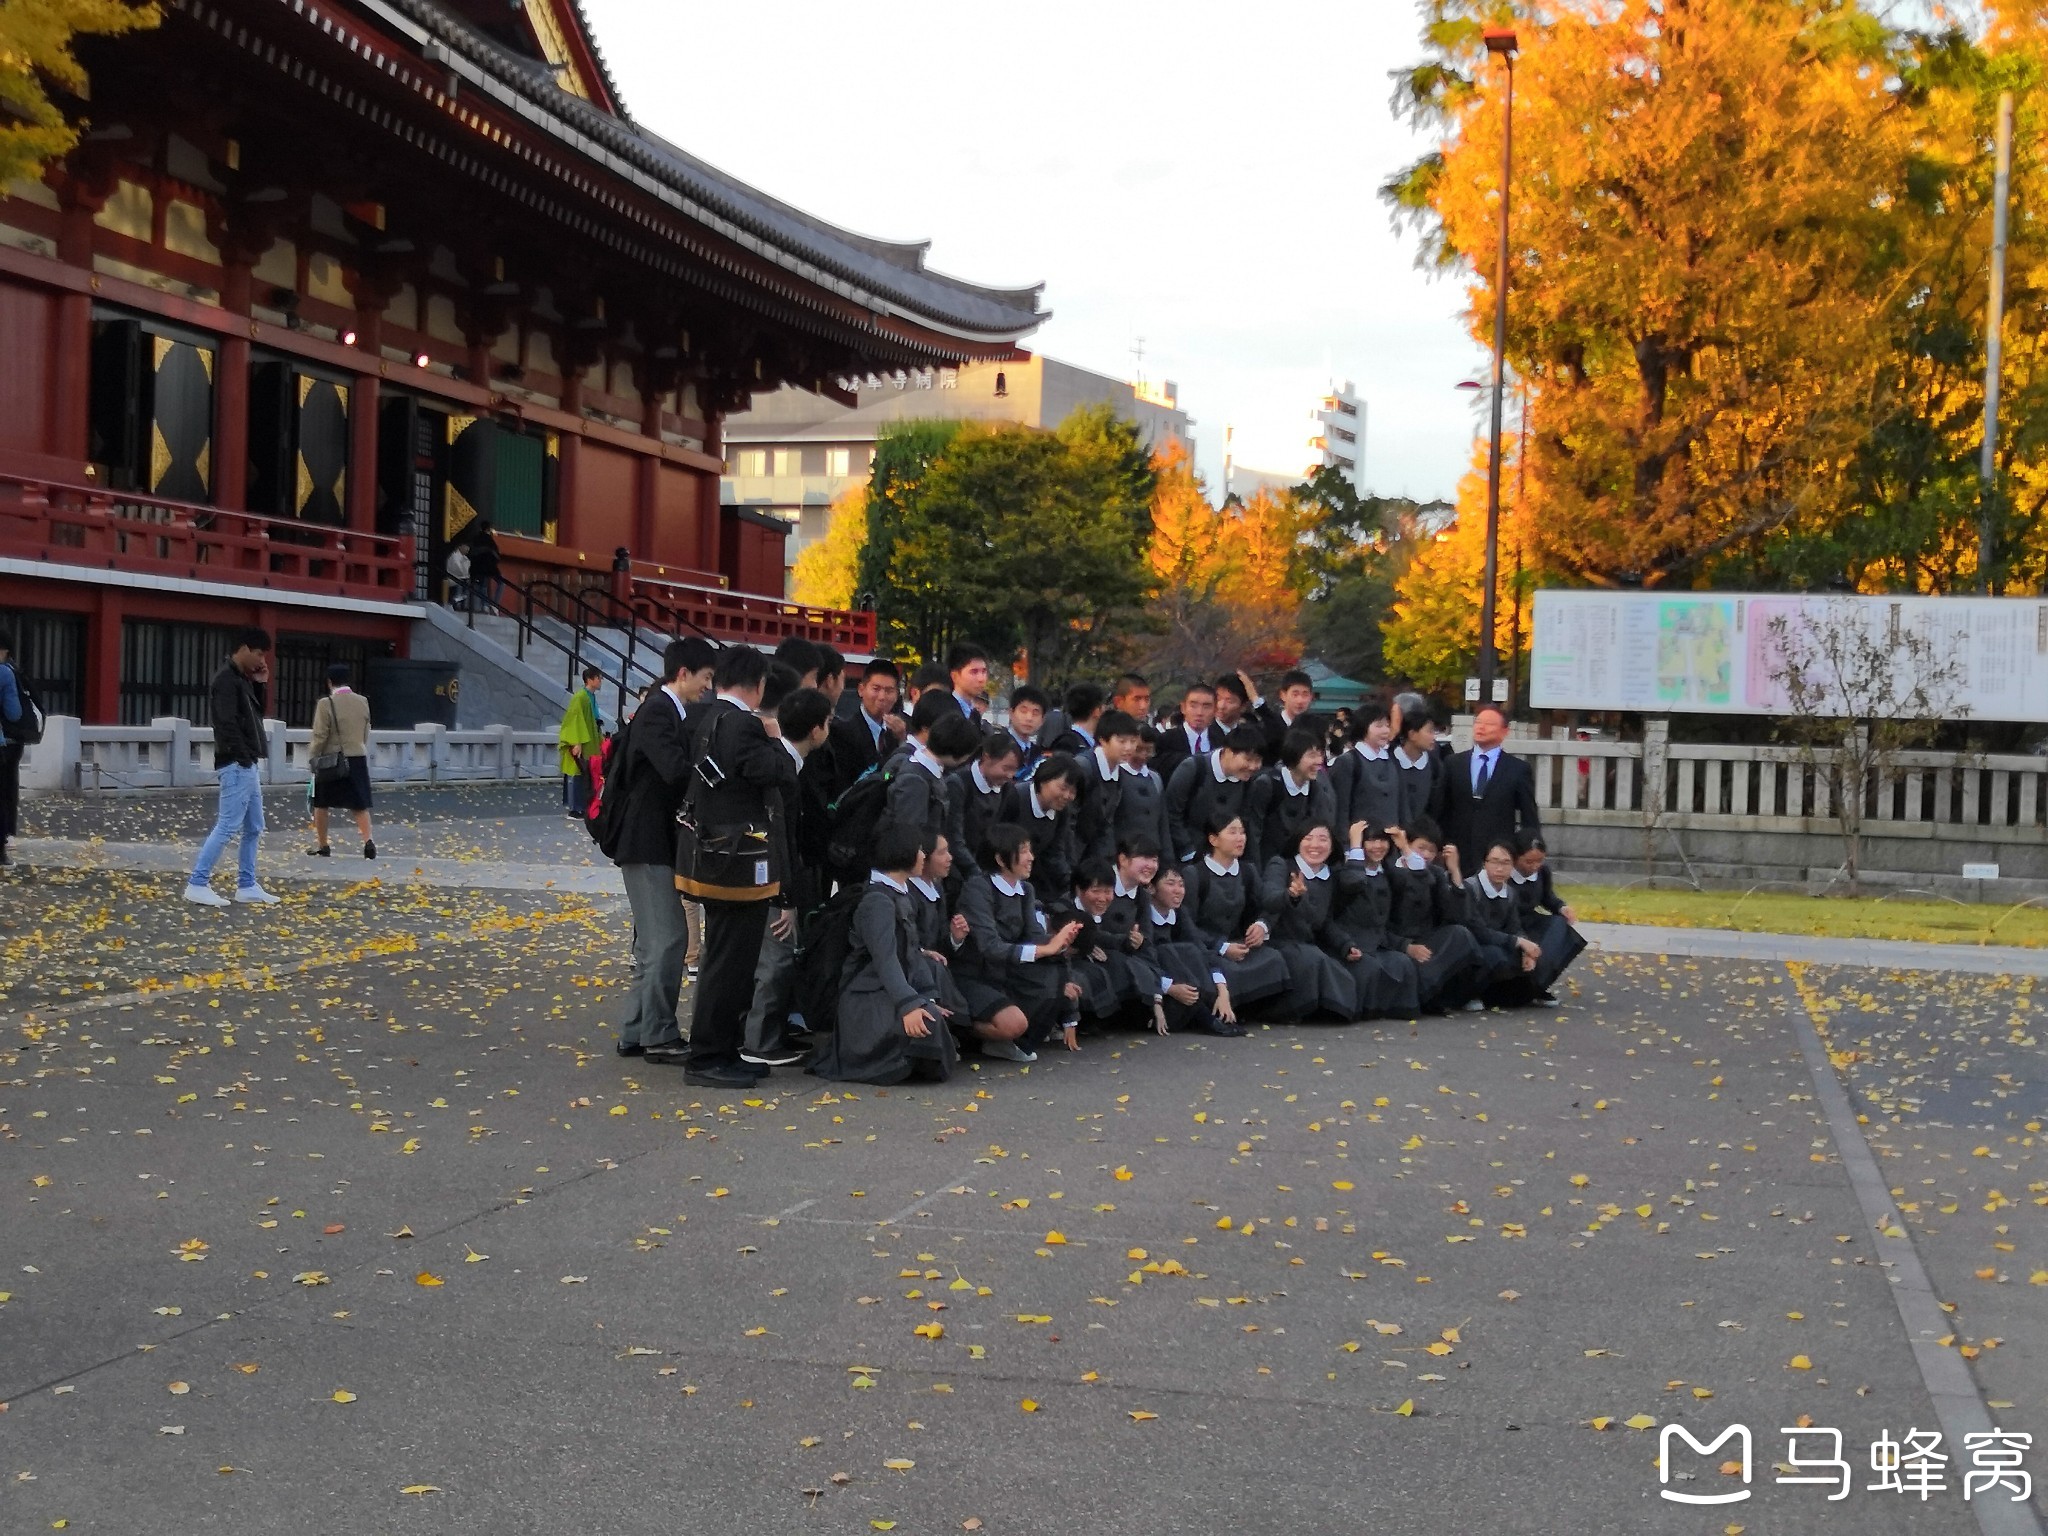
point(1384, 973)
point(940, 931)
point(1545, 918)
point(1300, 908)
point(1223, 900)
point(1105, 965)
point(891, 1024)
point(1429, 918)
point(1013, 970)
point(1187, 961)
point(1495, 918)
point(1171, 1004)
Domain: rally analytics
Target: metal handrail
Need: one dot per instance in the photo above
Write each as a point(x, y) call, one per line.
point(583, 639)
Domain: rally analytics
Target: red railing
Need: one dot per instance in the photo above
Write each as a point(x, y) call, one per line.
point(119, 530)
point(749, 618)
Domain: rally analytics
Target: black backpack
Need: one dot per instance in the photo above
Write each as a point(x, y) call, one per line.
point(855, 816)
point(28, 730)
point(609, 824)
point(821, 959)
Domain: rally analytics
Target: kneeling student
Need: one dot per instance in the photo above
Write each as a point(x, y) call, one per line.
point(1545, 918)
point(1495, 918)
point(940, 931)
point(891, 1025)
point(1187, 961)
point(1300, 897)
point(1384, 973)
point(1223, 900)
point(1429, 917)
point(1013, 971)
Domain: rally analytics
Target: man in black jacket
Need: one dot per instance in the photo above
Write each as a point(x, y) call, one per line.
point(1488, 795)
point(1294, 712)
point(871, 734)
point(650, 769)
point(238, 750)
point(738, 765)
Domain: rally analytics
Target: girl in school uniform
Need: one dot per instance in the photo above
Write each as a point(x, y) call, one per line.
point(1300, 905)
point(1013, 967)
point(940, 931)
point(1223, 904)
point(1188, 965)
point(1545, 918)
point(1495, 918)
point(891, 1023)
point(1384, 974)
point(1429, 920)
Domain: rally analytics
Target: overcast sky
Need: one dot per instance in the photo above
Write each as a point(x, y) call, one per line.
point(1202, 175)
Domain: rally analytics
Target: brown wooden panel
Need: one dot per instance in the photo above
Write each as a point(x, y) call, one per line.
point(677, 510)
point(605, 490)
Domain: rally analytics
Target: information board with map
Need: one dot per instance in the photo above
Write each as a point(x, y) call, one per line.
point(1721, 652)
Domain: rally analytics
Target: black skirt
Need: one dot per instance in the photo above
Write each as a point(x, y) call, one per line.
point(350, 792)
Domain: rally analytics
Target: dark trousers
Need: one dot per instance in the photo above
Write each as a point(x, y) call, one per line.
point(725, 980)
point(10, 788)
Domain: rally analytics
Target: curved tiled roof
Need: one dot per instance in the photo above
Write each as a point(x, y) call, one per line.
point(889, 275)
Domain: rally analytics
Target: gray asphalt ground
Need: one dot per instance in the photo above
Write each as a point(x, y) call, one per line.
point(343, 1217)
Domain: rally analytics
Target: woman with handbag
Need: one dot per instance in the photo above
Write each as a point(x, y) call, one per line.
point(339, 756)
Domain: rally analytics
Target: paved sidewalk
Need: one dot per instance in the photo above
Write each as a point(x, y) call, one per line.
point(1876, 954)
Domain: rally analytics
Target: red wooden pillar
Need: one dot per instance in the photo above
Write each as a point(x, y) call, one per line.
point(71, 377)
point(707, 493)
point(649, 483)
point(103, 660)
point(231, 397)
point(362, 454)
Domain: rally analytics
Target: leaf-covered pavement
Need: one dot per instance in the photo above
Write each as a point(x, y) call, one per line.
point(386, 1239)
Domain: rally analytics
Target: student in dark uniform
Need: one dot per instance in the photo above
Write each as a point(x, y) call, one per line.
point(1429, 919)
point(1384, 973)
point(1495, 918)
point(1044, 807)
point(1188, 966)
point(1013, 967)
point(1300, 895)
point(1105, 981)
point(967, 677)
point(940, 739)
point(1141, 797)
point(1085, 703)
point(1364, 782)
point(1224, 904)
point(1289, 798)
point(1192, 735)
point(1027, 717)
point(891, 1024)
point(974, 798)
point(1102, 771)
point(1293, 712)
point(1545, 918)
point(1215, 784)
point(940, 930)
point(1421, 771)
point(868, 736)
point(737, 768)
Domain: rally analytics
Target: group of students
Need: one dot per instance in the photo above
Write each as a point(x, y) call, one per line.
point(943, 884)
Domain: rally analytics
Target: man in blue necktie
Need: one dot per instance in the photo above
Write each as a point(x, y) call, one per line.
point(1492, 794)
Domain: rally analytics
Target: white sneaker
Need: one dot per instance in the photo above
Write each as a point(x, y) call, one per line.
point(1475, 1006)
point(205, 896)
point(1007, 1050)
point(255, 896)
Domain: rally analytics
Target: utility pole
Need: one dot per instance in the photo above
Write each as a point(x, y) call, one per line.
point(1499, 40)
point(1987, 469)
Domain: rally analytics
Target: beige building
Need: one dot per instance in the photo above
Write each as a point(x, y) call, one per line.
point(793, 452)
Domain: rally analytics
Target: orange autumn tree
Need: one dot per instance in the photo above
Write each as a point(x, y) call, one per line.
point(1703, 257)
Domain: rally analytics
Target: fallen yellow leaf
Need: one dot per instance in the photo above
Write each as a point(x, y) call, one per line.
point(1799, 1363)
point(1407, 1408)
point(423, 1278)
point(1029, 1405)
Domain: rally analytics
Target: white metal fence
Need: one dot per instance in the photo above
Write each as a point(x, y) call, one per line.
point(175, 754)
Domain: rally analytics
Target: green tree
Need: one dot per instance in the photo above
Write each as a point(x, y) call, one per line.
point(35, 55)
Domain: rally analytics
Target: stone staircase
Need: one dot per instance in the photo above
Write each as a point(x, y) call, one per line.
point(552, 649)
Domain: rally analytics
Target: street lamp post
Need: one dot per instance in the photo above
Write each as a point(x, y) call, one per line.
point(1499, 40)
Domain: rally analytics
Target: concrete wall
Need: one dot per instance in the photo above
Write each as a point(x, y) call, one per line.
point(497, 687)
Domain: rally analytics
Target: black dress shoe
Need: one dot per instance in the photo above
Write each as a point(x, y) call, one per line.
point(675, 1054)
point(754, 1069)
point(1211, 1025)
point(629, 1048)
point(718, 1077)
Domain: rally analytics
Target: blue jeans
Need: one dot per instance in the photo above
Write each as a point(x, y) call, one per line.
point(241, 810)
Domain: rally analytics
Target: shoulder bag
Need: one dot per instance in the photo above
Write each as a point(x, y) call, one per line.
point(721, 860)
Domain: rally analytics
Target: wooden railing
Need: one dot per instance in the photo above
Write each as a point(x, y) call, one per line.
point(1777, 789)
point(120, 530)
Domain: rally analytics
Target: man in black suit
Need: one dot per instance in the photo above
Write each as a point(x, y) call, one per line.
point(1192, 737)
point(1085, 703)
point(1488, 795)
point(873, 732)
point(738, 767)
point(650, 771)
point(967, 675)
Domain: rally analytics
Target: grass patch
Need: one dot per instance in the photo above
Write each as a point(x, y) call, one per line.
point(1842, 917)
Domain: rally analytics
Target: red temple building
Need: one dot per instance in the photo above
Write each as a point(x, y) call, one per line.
point(326, 281)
